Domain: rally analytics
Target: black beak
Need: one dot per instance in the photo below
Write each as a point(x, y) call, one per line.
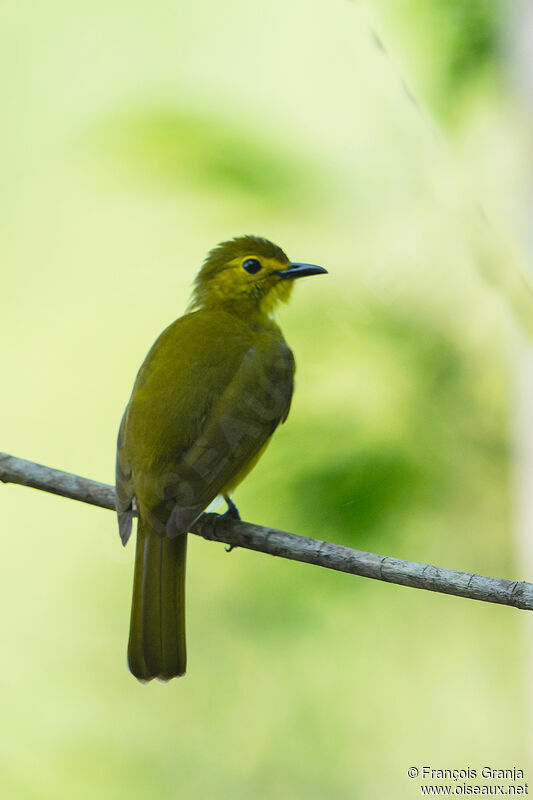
point(297, 270)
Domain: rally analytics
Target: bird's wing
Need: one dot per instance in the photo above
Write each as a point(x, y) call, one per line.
point(238, 426)
point(124, 491)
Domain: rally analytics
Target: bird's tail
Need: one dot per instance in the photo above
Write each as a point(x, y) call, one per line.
point(156, 646)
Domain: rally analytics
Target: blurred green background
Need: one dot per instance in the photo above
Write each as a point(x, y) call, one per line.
point(134, 137)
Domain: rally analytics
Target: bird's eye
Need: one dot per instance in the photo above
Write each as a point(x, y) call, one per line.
point(251, 265)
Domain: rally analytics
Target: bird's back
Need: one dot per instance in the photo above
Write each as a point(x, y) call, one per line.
point(207, 372)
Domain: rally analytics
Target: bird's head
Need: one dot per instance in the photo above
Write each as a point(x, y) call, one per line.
point(248, 270)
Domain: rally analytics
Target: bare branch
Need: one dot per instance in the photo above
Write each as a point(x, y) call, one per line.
point(287, 545)
point(28, 473)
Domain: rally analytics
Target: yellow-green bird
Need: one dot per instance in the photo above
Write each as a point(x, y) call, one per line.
point(207, 399)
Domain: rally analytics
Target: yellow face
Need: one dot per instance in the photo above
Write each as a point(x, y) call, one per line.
point(251, 277)
point(249, 273)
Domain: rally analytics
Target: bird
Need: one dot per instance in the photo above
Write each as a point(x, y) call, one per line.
point(208, 397)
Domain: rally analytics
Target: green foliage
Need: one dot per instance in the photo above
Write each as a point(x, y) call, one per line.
point(174, 148)
point(453, 44)
point(473, 38)
point(361, 494)
point(444, 438)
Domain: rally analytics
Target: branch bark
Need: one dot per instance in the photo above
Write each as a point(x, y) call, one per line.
point(287, 545)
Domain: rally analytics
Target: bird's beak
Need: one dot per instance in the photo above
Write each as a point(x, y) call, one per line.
point(297, 270)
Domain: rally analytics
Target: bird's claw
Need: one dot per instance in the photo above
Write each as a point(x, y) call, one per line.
point(232, 512)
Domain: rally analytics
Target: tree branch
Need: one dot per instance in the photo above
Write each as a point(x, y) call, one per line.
point(286, 545)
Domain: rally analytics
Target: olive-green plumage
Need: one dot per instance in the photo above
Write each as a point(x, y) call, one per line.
point(209, 395)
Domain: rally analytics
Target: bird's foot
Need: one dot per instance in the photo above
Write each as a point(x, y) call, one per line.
point(232, 512)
